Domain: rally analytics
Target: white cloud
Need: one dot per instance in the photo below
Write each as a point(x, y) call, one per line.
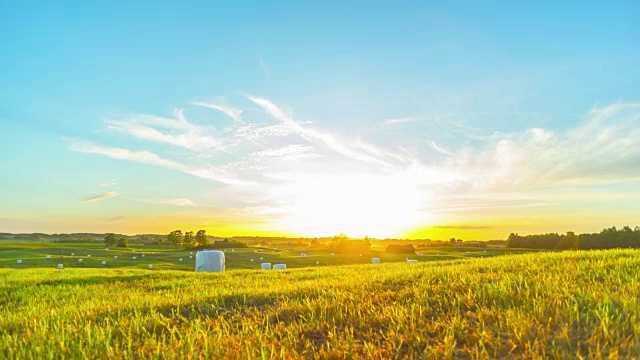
point(265, 70)
point(437, 148)
point(399, 121)
point(182, 202)
point(145, 157)
point(604, 148)
point(182, 132)
point(234, 113)
point(107, 195)
point(108, 184)
point(327, 139)
point(259, 159)
point(253, 132)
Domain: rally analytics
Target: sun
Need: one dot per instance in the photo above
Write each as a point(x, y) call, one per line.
point(381, 206)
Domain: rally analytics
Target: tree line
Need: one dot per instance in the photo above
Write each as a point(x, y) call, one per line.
point(608, 238)
point(175, 238)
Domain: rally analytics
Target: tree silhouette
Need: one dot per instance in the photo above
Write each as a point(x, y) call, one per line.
point(175, 238)
point(201, 238)
point(122, 242)
point(110, 240)
point(189, 240)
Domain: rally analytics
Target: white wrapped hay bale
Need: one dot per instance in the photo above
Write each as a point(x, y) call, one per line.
point(191, 257)
point(150, 266)
point(317, 262)
point(332, 254)
point(79, 260)
point(134, 258)
point(360, 254)
point(261, 258)
point(73, 254)
point(104, 262)
point(48, 256)
point(59, 266)
point(265, 266)
point(19, 261)
point(210, 261)
point(115, 257)
point(280, 267)
point(153, 253)
point(375, 261)
point(251, 260)
point(412, 261)
point(180, 259)
point(88, 256)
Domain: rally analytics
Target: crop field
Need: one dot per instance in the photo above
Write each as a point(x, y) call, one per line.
point(574, 304)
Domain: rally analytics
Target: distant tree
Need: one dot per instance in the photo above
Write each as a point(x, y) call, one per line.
point(189, 240)
point(513, 241)
point(367, 241)
point(122, 242)
point(452, 240)
point(201, 238)
point(110, 240)
point(175, 238)
point(315, 242)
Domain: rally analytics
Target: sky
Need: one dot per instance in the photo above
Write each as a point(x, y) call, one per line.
point(389, 119)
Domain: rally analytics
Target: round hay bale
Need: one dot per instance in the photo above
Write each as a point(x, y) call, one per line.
point(210, 261)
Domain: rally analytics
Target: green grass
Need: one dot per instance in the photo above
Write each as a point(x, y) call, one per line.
point(538, 305)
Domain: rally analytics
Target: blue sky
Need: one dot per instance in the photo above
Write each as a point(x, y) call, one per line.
point(475, 118)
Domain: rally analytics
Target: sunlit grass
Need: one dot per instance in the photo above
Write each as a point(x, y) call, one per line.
point(558, 305)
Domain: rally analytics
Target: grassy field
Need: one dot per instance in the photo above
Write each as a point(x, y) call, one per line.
point(549, 305)
point(33, 254)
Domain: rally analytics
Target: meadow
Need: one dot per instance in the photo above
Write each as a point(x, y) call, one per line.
point(573, 304)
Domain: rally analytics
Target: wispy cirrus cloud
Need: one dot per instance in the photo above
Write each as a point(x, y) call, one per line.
point(206, 172)
point(261, 159)
point(182, 202)
point(178, 131)
point(265, 69)
point(116, 218)
point(605, 147)
point(399, 121)
point(291, 159)
point(104, 196)
point(437, 148)
point(327, 139)
point(230, 111)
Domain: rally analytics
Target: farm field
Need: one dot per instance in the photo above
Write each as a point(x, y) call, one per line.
point(34, 254)
point(574, 304)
